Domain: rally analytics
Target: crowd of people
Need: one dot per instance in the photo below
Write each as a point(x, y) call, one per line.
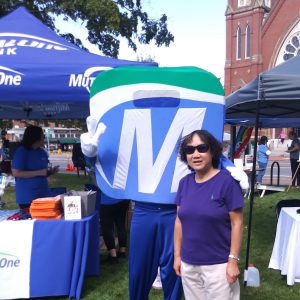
point(293, 149)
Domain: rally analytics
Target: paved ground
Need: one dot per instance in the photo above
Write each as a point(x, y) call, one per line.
point(279, 155)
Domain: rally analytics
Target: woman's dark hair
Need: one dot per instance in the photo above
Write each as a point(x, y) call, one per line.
point(215, 147)
point(31, 135)
point(263, 140)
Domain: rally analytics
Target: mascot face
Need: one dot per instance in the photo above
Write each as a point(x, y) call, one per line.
point(147, 111)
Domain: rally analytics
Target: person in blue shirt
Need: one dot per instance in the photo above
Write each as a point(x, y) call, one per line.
point(263, 153)
point(113, 214)
point(30, 168)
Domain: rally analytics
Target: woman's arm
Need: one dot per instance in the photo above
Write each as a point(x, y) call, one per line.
point(28, 174)
point(236, 218)
point(177, 245)
point(294, 147)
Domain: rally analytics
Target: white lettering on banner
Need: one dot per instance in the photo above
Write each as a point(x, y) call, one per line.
point(10, 46)
point(8, 51)
point(85, 79)
point(15, 257)
point(80, 81)
point(10, 79)
point(56, 107)
point(9, 263)
point(52, 109)
point(138, 123)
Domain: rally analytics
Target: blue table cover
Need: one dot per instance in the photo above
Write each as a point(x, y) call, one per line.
point(63, 252)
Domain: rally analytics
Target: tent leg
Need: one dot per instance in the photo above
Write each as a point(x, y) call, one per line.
point(251, 200)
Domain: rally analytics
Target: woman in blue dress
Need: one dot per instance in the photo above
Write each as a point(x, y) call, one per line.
point(263, 153)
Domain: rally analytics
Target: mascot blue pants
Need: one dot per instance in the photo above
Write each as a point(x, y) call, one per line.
point(151, 246)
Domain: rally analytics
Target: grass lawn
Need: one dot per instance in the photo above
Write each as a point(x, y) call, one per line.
point(112, 284)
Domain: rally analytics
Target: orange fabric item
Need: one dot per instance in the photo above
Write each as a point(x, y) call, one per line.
point(43, 213)
point(50, 202)
point(49, 218)
point(46, 208)
point(53, 206)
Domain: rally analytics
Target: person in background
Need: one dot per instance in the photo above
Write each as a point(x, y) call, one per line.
point(113, 213)
point(293, 150)
point(282, 136)
point(263, 153)
point(209, 222)
point(226, 149)
point(30, 168)
point(5, 144)
point(2, 153)
point(5, 163)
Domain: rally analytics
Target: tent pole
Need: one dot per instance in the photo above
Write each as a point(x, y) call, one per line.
point(251, 199)
point(232, 141)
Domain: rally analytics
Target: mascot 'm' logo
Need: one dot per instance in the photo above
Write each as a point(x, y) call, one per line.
point(10, 77)
point(11, 42)
point(137, 130)
point(138, 153)
point(87, 78)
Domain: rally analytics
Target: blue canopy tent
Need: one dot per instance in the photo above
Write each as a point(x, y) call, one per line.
point(43, 76)
point(271, 99)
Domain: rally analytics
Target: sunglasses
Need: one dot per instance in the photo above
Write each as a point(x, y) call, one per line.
point(202, 148)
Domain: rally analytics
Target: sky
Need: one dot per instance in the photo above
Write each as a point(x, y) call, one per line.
point(197, 25)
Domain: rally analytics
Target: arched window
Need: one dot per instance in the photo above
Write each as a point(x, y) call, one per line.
point(247, 42)
point(238, 43)
point(242, 3)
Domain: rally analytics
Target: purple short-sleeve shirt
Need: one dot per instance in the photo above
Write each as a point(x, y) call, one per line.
point(204, 215)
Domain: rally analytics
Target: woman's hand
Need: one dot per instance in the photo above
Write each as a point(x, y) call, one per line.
point(52, 171)
point(177, 265)
point(177, 245)
point(232, 271)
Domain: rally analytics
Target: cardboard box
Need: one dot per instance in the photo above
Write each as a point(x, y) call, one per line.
point(88, 201)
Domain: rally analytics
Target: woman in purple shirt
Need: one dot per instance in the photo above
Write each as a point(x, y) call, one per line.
point(209, 223)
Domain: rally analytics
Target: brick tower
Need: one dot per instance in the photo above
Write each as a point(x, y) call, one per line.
point(260, 34)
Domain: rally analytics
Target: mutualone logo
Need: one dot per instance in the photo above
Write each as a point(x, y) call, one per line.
point(9, 261)
point(10, 77)
point(87, 78)
point(10, 42)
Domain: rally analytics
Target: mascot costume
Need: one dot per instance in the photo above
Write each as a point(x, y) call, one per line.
point(146, 112)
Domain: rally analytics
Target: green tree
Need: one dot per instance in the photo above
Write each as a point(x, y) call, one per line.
point(106, 21)
point(5, 124)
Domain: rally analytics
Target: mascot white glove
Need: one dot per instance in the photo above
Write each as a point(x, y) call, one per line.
point(89, 140)
point(240, 176)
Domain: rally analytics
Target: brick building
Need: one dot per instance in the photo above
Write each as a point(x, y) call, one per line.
point(260, 34)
